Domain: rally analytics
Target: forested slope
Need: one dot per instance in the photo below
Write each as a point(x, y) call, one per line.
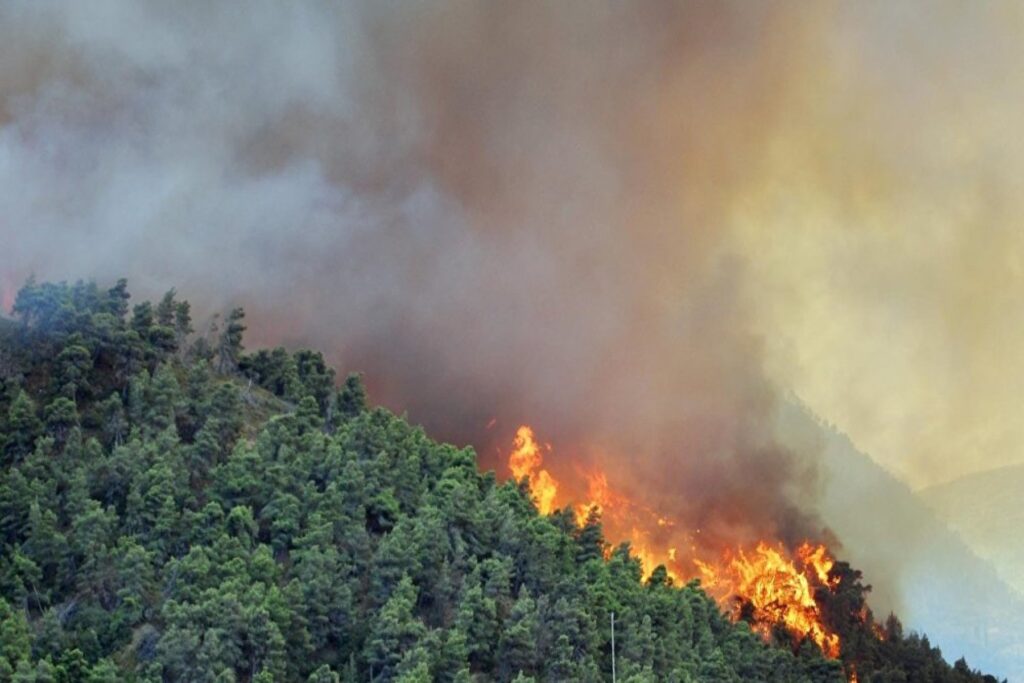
point(987, 510)
point(915, 563)
point(173, 509)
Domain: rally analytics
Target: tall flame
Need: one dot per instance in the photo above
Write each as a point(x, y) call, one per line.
point(765, 585)
point(525, 462)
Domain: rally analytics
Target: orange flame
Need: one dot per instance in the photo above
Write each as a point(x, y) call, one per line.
point(525, 461)
point(816, 557)
point(599, 495)
point(766, 586)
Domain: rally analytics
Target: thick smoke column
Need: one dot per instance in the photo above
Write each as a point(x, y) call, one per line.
point(494, 211)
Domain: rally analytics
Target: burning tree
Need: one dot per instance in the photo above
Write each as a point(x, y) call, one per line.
point(800, 598)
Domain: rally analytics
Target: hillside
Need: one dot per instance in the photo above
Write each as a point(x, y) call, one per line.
point(918, 567)
point(987, 510)
point(175, 509)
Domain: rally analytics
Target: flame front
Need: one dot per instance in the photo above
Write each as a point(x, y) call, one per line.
point(765, 585)
point(767, 588)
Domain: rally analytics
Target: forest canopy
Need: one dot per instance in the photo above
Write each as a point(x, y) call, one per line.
point(174, 508)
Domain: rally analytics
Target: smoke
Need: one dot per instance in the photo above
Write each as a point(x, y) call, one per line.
point(893, 194)
point(632, 226)
point(492, 210)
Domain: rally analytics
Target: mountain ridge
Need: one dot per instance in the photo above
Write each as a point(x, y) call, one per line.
point(986, 508)
point(919, 567)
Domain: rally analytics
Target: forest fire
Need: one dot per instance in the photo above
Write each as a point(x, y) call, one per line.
point(525, 461)
point(766, 585)
point(767, 588)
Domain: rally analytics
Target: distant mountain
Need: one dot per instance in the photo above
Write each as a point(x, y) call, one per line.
point(918, 566)
point(987, 510)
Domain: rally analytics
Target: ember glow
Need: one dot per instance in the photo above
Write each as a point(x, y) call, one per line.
point(766, 585)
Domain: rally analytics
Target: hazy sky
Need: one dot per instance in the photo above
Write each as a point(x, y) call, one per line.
point(885, 228)
point(640, 223)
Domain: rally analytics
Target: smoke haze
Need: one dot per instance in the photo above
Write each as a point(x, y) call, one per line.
point(492, 211)
point(635, 227)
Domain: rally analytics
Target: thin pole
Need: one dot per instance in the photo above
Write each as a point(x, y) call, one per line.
point(613, 647)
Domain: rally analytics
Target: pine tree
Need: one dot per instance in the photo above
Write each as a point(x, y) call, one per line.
point(165, 310)
point(478, 620)
point(395, 631)
point(15, 640)
point(61, 417)
point(117, 299)
point(351, 398)
point(517, 645)
point(74, 364)
point(182, 323)
point(21, 429)
point(229, 346)
point(590, 539)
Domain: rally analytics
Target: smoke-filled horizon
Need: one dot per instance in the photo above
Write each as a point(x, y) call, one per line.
point(634, 227)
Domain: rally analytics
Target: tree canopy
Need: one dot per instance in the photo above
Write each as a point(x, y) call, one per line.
point(173, 508)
